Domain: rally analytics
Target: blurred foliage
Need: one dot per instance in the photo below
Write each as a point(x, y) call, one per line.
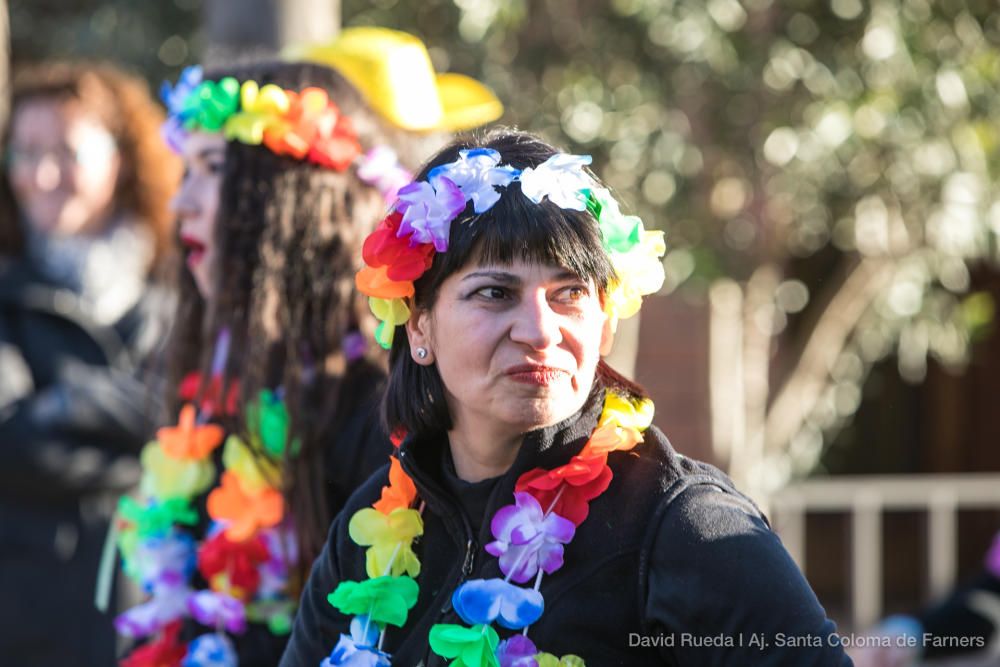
point(808, 135)
point(152, 38)
point(803, 134)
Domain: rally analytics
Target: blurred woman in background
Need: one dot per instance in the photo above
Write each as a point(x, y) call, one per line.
point(84, 224)
point(288, 168)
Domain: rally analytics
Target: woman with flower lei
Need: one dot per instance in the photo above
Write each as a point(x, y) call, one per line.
point(287, 170)
point(532, 516)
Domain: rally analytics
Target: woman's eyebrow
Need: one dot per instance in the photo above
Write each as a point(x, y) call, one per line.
point(499, 276)
point(206, 153)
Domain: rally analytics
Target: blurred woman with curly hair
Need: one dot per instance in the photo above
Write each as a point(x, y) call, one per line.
point(84, 223)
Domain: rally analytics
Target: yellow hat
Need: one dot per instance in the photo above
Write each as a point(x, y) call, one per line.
point(393, 70)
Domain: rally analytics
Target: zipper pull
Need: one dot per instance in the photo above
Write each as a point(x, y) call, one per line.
point(470, 558)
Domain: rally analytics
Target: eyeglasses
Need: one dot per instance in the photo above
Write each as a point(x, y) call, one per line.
point(94, 151)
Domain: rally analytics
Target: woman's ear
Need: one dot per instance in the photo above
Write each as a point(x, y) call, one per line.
point(419, 333)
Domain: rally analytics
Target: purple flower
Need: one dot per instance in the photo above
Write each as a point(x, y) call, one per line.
point(358, 650)
point(518, 651)
point(561, 178)
point(527, 540)
point(169, 602)
point(482, 601)
point(993, 557)
point(477, 175)
point(218, 609)
point(428, 210)
point(380, 168)
point(211, 650)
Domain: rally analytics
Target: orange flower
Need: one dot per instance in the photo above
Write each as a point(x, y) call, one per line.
point(246, 513)
point(376, 282)
point(189, 440)
point(400, 493)
point(610, 438)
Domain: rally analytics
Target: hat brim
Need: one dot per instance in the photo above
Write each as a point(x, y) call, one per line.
point(466, 103)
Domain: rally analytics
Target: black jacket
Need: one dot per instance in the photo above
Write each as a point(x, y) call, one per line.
point(670, 562)
point(74, 412)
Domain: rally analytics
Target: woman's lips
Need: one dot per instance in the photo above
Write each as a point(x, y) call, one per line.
point(195, 250)
point(540, 376)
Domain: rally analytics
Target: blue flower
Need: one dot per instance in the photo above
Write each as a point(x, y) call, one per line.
point(561, 178)
point(482, 601)
point(175, 97)
point(358, 650)
point(212, 650)
point(477, 174)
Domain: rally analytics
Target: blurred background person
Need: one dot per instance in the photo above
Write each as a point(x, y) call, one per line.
point(84, 225)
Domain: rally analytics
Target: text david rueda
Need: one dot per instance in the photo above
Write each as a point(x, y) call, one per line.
point(761, 641)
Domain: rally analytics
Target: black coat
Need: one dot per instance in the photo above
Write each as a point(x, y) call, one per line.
point(671, 553)
point(74, 413)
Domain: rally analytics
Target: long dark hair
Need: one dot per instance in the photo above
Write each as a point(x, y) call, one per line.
point(513, 229)
point(288, 236)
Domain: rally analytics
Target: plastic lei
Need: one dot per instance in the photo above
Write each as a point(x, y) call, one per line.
point(304, 125)
point(247, 554)
point(403, 245)
point(529, 535)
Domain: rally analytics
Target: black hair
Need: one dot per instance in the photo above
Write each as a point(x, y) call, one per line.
point(514, 229)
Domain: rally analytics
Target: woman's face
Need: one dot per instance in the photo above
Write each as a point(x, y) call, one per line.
point(63, 167)
point(516, 345)
point(197, 203)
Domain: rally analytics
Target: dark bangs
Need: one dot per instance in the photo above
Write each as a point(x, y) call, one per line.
point(515, 228)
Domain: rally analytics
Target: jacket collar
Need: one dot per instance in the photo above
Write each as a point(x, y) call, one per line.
point(545, 448)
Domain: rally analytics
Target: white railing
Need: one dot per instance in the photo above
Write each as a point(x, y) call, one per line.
point(865, 499)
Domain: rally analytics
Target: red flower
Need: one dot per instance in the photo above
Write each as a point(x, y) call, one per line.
point(384, 248)
point(575, 484)
point(164, 652)
point(188, 391)
point(237, 562)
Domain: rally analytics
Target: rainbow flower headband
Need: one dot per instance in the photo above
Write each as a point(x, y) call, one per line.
point(304, 125)
point(402, 247)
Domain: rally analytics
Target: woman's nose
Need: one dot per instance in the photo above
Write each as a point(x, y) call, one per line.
point(48, 173)
point(536, 324)
point(183, 204)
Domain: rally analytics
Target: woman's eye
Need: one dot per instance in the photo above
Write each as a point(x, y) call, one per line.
point(573, 293)
point(216, 168)
point(492, 293)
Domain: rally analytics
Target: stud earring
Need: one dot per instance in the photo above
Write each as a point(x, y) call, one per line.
point(421, 353)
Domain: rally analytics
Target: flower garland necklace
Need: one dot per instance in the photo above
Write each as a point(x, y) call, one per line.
point(549, 505)
point(529, 539)
point(305, 125)
point(246, 558)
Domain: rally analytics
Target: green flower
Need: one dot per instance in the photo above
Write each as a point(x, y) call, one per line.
point(211, 104)
point(549, 660)
point(267, 422)
point(155, 519)
point(385, 600)
point(471, 647)
point(619, 233)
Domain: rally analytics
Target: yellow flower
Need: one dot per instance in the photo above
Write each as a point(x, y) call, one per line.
point(625, 413)
point(640, 272)
point(392, 313)
point(389, 538)
point(261, 110)
point(256, 473)
point(167, 477)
